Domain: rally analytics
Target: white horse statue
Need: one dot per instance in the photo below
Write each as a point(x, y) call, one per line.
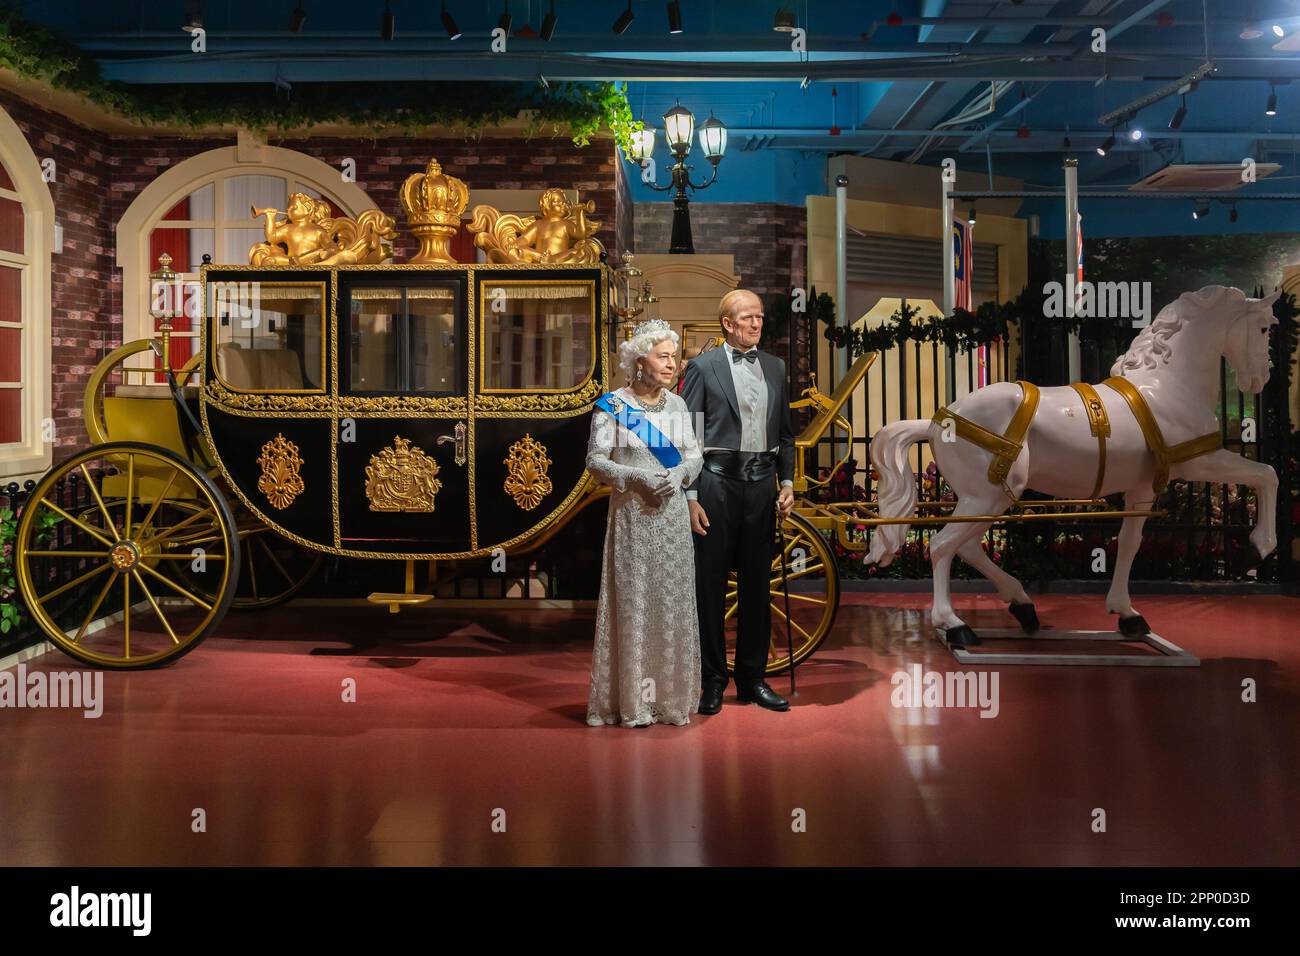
point(1153, 420)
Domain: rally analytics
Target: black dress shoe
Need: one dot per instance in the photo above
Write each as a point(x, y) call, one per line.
point(762, 695)
point(711, 699)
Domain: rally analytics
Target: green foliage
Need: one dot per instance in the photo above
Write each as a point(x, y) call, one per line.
point(961, 331)
point(12, 613)
point(580, 109)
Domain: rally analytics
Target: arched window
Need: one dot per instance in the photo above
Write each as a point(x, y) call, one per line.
point(204, 206)
point(26, 237)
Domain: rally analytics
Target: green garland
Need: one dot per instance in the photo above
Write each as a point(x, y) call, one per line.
point(962, 331)
point(579, 109)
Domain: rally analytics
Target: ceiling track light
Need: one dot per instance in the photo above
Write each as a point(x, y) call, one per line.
point(449, 23)
point(1135, 133)
point(970, 217)
point(387, 23)
point(1200, 212)
point(1180, 114)
point(548, 23)
point(675, 16)
point(783, 22)
point(1278, 31)
point(624, 19)
point(1270, 108)
point(1106, 147)
point(506, 19)
point(194, 19)
point(298, 19)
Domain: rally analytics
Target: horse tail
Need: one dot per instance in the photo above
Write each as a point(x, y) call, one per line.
point(896, 493)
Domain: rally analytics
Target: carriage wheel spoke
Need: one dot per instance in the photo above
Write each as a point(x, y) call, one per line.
point(252, 571)
point(98, 569)
point(66, 554)
point(731, 612)
point(803, 597)
point(176, 587)
point(159, 500)
point(177, 527)
point(776, 581)
point(90, 615)
point(78, 522)
point(793, 623)
point(156, 609)
point(126, 617)
point(276, 561)
point(103, 509)
point(130, 487)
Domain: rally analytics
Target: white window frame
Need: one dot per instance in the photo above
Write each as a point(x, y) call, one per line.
point(30, 457)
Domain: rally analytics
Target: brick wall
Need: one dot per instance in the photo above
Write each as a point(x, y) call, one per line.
point(98, 176)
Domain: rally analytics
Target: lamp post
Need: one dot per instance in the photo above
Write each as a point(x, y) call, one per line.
point(679, 125)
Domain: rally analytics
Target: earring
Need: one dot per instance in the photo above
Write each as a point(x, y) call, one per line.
point(639, 376)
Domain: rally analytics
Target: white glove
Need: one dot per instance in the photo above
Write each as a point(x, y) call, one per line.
point(661, 485)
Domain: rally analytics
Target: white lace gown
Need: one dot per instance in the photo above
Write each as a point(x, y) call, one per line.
point(645, 666)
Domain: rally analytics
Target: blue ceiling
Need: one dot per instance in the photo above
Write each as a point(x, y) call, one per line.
point(915, 89)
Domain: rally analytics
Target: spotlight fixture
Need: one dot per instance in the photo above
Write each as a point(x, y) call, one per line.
point(1180, 114)
point(624, 19)
point(548, 23)
point(675, 17)
point(970, 217)
point(387, 23)
point(1250, 32)
point(543, 82)
point(1200, 212)
point(298, 20)
point(1278, 31)
point(1232, 213)
point(194, 19)
point(804, 83)
point(1105, 147)
point(506, 19)
point(783, 22)
point(449, 23)
point(1270, 109)
point(1135, 133)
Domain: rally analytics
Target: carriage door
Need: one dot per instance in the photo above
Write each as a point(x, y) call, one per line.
point(403, 485)
point(539, 365)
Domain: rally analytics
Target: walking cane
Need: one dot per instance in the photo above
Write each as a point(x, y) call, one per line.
point(785, 589)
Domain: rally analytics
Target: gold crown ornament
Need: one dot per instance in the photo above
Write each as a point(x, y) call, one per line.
point(433, 202)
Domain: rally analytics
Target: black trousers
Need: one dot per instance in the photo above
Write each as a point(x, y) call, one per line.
point(742, 522)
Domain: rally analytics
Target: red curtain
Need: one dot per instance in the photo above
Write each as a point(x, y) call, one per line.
point(176, 243)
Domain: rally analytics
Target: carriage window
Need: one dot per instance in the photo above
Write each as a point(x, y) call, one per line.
point(537, 336)
point(270, 336)
point(403, 339)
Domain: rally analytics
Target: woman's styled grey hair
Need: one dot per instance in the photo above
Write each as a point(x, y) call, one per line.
point(644, 338)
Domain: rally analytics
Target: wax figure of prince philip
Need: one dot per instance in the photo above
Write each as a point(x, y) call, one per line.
point(739, 403)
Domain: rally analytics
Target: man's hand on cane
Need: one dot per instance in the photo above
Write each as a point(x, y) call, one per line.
point(785, 501)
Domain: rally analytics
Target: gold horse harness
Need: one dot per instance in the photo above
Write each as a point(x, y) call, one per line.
point(1006, 447)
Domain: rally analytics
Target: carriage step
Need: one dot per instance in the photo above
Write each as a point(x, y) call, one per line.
point(395, 599)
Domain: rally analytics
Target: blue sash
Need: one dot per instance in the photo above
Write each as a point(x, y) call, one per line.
point(631, 419)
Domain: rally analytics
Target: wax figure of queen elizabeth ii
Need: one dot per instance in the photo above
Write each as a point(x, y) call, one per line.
point(645, 665)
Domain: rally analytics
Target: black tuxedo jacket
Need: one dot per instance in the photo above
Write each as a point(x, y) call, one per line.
point(710, 393)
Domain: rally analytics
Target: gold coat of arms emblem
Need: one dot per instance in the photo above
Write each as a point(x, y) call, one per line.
point(280, 481)
point(402, 478)
point(527, 481)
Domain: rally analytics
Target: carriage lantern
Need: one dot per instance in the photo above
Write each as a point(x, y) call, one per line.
point(629, 294)
point(163, 300)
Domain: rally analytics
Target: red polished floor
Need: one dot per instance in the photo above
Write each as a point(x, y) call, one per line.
point(457, 718)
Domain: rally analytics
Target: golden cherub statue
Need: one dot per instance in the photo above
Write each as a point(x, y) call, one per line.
point(309, 236)
point(561, 233)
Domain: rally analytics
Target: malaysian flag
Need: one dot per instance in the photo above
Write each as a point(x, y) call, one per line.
point(961, 264)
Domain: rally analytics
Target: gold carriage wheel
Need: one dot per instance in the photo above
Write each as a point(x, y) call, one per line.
point(92, 411)
point(126, 543)
point(814, 586)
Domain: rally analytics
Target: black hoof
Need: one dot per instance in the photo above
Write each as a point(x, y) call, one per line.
point(1026, 615)
point(961, 637)
point(1256, 558)
point(1134, 626)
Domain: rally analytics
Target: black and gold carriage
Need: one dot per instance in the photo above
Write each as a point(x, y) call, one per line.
point(431, 413)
